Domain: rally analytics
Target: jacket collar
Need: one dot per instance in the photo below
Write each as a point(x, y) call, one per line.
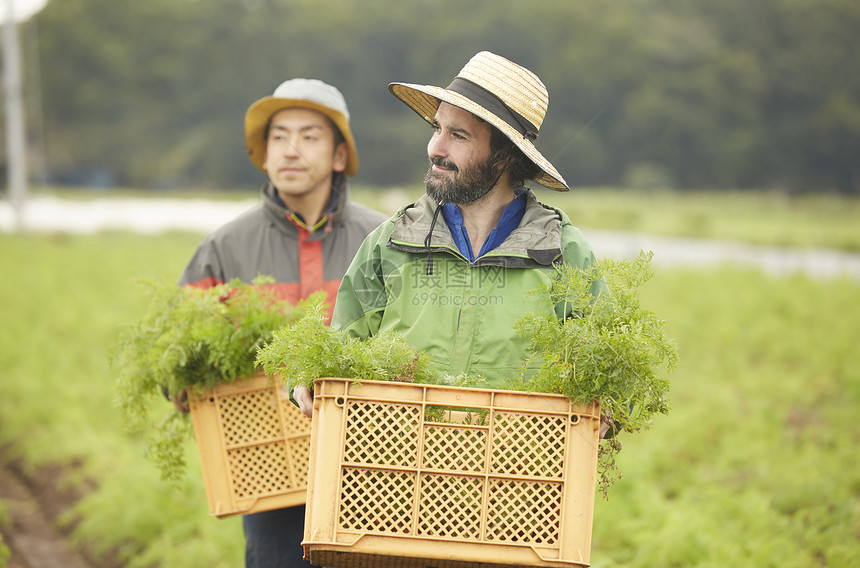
point(281, 215)
point(538, 235)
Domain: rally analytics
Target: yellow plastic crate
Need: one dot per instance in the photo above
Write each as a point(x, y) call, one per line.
point(419, 476)
point(254, 446)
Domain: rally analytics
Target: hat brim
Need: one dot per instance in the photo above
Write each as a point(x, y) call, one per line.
point(260, 112)
point(425, 99)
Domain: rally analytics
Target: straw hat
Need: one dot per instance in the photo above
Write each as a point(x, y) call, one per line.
point(298, 93)
point(508, 96)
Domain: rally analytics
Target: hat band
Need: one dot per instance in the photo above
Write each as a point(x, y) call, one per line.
point(495, 105)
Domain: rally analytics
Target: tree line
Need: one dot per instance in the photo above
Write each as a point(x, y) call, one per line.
point(644, 93)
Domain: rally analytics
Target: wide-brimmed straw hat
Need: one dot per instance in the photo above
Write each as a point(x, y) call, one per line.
point(298, 93)
point(506, 95)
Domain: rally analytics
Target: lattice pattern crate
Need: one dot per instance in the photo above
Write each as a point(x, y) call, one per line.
point(419, 476)
point(254, 446)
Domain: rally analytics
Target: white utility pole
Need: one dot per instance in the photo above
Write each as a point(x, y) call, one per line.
point(16, 157)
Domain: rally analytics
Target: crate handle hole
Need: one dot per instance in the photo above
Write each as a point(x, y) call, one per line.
point(574, 419)
point(340, 401)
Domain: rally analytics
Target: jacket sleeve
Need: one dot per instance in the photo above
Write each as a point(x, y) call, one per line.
point(361, 298)
point(205, 268)
point(577, 252)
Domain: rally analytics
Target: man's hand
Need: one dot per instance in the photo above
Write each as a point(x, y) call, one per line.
point(605, 424)
point(180, 401)
point(302, 395)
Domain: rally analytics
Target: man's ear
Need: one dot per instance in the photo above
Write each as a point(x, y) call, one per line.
point(341, 157)
point(503, 161)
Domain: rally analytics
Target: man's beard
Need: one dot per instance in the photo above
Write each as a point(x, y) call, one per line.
point(464, 186)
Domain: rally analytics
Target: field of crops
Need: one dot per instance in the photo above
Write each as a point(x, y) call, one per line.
point(755, 465)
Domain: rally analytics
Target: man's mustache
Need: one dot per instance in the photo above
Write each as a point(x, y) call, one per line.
point(443, 163)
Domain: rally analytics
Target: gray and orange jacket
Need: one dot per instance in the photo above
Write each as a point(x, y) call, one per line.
point(270, 240)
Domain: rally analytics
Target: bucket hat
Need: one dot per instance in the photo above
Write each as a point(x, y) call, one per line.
point(506, 95)
point(298, 93)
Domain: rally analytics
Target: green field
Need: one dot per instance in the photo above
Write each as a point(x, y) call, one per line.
point(755, 465)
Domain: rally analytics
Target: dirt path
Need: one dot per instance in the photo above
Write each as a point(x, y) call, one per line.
point(32, 503)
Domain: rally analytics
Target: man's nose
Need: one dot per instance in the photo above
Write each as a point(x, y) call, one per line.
point(435, 147)
point(291, 147)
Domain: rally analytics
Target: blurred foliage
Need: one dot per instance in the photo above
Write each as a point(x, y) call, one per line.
point(4, 553)
point(189, 339)
point(310, 349)
point(760, 446)
point(683, 93)
point(65, 299)
point(607, 350)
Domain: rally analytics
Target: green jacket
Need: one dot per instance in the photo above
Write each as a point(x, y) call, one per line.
point(462, 313)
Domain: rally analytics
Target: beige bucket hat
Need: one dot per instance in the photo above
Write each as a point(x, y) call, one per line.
point(298, 93)
point(506, 95)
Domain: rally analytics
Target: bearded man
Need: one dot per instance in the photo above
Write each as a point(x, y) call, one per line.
point(454, 286)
